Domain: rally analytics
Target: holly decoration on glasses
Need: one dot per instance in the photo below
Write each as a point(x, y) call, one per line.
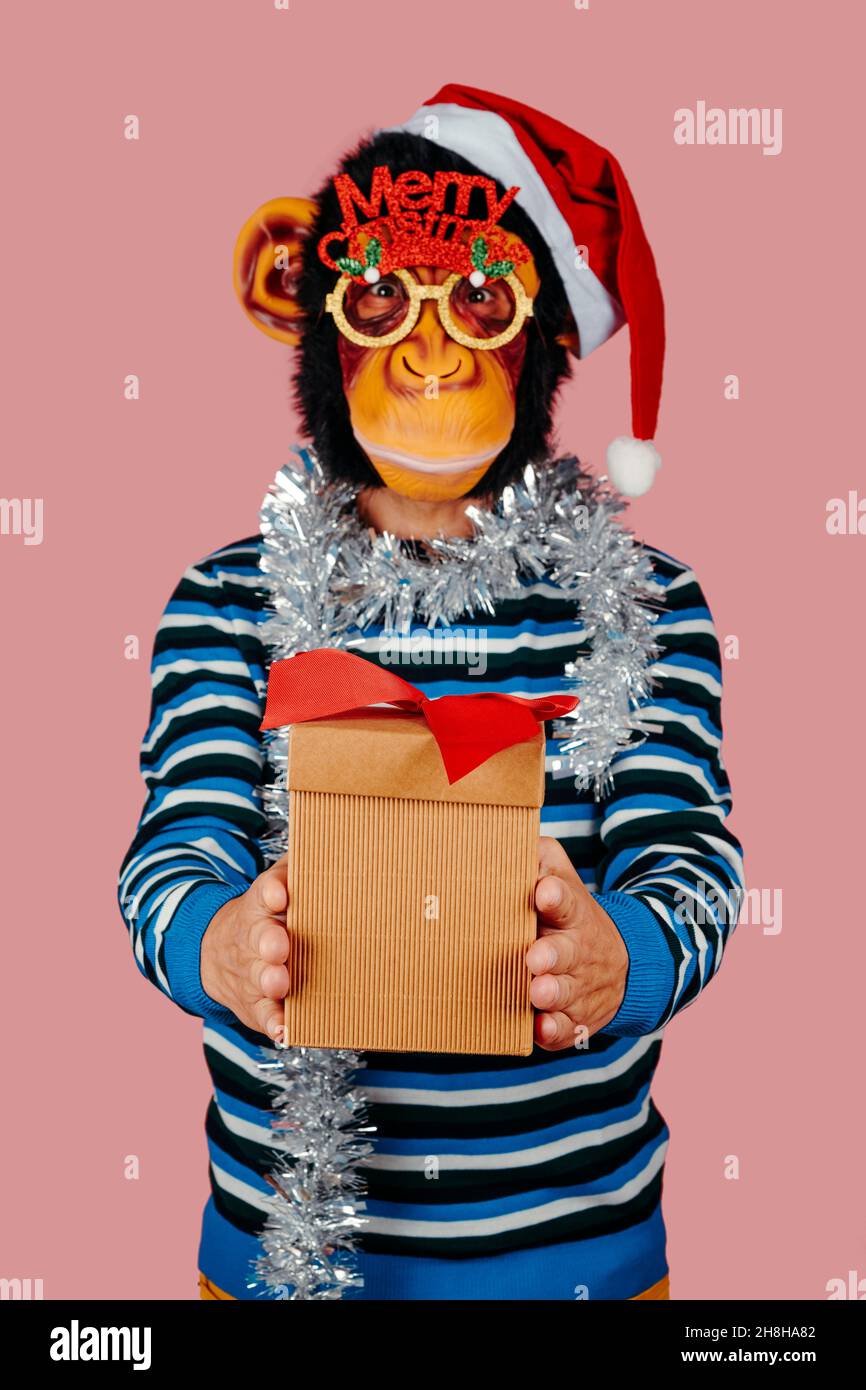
point(484, 269)
point(369, 267)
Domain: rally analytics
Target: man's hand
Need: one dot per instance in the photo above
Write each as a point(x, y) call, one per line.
point(579, 961)
point(244, 953)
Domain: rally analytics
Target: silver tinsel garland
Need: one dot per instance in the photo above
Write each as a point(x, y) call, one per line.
point(327, 576)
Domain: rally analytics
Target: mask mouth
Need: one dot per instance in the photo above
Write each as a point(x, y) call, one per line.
point(418, 464)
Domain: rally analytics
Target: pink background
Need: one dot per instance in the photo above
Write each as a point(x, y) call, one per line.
point(118, 260)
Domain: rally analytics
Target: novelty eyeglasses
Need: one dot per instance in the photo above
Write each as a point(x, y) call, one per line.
point(477, 316)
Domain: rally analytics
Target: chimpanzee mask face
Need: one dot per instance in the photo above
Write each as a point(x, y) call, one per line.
point(415, 321)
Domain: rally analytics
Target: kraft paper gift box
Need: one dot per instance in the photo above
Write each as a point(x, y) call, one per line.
point(411, 895)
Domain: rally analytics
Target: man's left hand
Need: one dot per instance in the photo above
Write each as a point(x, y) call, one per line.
point(580, 962)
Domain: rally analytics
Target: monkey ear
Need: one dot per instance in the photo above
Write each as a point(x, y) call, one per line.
point(569, 337)
point(267, 265)
point(570, 341)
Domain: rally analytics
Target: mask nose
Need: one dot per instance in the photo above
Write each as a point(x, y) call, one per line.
point(429, 351)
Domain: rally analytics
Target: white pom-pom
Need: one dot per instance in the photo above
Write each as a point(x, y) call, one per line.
point(371, 274)
point(632, 465)
point(477, 279)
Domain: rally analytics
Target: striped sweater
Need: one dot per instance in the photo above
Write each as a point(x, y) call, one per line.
point(491, 1177)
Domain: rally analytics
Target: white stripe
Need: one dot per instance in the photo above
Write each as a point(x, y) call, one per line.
point(194, 575)
point(262, 1201)
point(684, 962)
point(687, 673)
point(519, 1158)
point(570, 829)
point(687, 885)
point(624, 817)
point(685, 626)
point(511, 1095)
point(189, 796)
point(482, 1095)
point(201, 620)
point(489, 142)
point(131, 905)
point(171, 902)
point(524, 694)
point(484, 1226)
point(185, 667)
point(208, 846)
point(148, 863)
point(235, 748)
point(145, 854)
point(682, 580)
point(211, 846)
point(733, 858)
point(520, 1220)
point(502, 646)
point(195, 706)
point(545, 589)
point(245, 1129)
point(236, 1055)
point(459, 1162)
point(657, 762)
point(660, 714)
point(700, 938)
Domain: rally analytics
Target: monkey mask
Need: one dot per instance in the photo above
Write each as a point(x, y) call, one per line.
point(434, 307)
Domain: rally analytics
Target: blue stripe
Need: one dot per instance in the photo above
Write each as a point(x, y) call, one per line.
point(498, 631)
point(564, 1064)
point(199, 656)
point(514, 1143)
point(687, 661)
point(480, 684)
point(520, 1201)
point(616, 1266)
point(193, 608)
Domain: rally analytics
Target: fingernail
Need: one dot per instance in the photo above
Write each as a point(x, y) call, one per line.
point(550, 959)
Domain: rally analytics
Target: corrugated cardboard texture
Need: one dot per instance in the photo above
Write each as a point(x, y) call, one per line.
point(410, 913)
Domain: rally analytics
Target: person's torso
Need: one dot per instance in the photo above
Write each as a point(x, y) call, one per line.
point(473, 1155)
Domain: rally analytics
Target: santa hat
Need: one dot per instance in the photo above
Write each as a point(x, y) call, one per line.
point(577, 196)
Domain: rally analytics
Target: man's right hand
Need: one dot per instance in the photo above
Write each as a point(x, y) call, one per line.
point(244, 953)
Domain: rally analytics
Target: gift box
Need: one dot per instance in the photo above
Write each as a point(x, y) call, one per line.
point(412, 859)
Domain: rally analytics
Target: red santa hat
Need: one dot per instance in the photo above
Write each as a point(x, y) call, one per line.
point(577, 196)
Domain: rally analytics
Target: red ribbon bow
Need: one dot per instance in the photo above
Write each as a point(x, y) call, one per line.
point(469, 729)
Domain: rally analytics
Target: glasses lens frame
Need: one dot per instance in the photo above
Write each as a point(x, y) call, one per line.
point(417, 294)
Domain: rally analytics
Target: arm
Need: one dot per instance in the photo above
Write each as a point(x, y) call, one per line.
point(672, 874)
point(671, 877)
point(196, 847)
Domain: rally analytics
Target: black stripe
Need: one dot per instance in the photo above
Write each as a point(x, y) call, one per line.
point(516, 1120)
point(593, 1222)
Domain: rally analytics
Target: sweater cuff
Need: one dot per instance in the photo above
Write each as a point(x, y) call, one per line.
point(651, 975)
point(182, 949)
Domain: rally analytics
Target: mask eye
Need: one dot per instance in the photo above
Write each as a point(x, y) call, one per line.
point(376, 308)
point(484, 311)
